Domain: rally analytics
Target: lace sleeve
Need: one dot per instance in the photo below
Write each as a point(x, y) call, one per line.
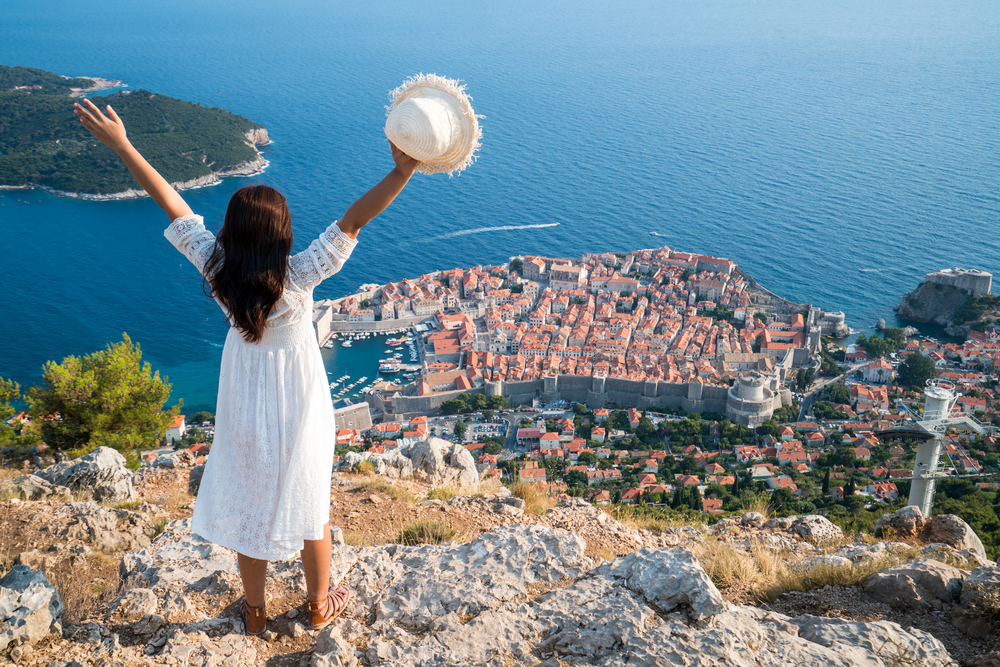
point(323, 258)
point(188, 234)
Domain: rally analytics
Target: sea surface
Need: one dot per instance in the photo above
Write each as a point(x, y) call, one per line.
point(837, 150)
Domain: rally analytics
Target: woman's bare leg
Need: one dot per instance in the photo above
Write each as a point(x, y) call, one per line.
point(316, 565)
point(253, 572)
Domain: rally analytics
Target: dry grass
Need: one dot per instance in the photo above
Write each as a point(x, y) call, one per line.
point(427, 531)
point(768, 574)
point(8, 475)
point(86, 589)
point(374, 485)
point(179, 499)
point(823, 574)
point(728, 567)
point(536, 502)
point(651, 520)
point(443, 494)
point(353, 539)
point(489, 486)
point(758, 503)
point(366, 468)
point(127, 505)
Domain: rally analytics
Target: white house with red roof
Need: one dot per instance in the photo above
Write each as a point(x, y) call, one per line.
point(176, 429)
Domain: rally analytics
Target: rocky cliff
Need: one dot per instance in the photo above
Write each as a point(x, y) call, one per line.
point(936, 303)
point(572, 586)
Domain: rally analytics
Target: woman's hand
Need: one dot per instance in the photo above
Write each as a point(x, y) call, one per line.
point(109, 130)
point(404, 163)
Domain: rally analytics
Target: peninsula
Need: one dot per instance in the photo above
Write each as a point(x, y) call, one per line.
point(42, 145)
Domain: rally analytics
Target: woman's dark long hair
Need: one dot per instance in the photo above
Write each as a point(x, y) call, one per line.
point(248, 266)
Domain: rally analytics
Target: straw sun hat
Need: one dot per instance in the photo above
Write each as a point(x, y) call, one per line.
point(431, 120)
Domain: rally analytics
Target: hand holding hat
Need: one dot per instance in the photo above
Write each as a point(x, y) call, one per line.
point(431, 120)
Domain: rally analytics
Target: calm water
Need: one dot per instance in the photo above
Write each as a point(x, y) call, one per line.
point(837, 151)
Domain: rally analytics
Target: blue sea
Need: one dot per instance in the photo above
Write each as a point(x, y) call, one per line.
point(836, 150)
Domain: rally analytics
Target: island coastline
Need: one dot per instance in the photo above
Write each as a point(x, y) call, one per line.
point(255, 138)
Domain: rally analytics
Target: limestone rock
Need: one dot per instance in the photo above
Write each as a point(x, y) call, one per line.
point(441, 463)
point(953, 531)
point(876, 643)
point(106, 528)
point(859, 553)
point(816, 529)
point(905, 522)
point(148, 625)
point(30, 607)
point(981, 589)
point(920, 585)
point(397, 465)
point(177, 557)
point(179, 459)
point(752, 519)
point(33, 487)
point(194, 480)
point(668, 578)
point(945, 528)
point(332, 650)
point(197, 648)
point(134, 604)
point(780, 523)
point(101, 473)
point(414, 586)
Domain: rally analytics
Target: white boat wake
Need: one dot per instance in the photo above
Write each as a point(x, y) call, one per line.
point(657, 234)
point(504, 228)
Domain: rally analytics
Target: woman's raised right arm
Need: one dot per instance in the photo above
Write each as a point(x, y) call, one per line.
point(110, 131)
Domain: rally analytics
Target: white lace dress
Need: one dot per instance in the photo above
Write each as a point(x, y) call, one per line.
point(266, 486)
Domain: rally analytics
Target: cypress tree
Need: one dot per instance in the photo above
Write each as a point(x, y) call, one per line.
point(826, 482)
point(695, 501)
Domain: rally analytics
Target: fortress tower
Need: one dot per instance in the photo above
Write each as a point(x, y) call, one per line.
point(750, 401)
point(977, 283)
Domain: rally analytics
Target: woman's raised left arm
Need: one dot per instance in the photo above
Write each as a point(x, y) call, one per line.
point(110, 131)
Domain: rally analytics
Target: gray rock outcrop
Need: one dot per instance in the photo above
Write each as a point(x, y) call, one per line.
point(30, 607)
point(980, 601)
point(434, 461)
point(33, 487)
point(101, 473)
point(920, 585)
point(442, 463)
point(816, 529)
point(944, 528)
point(981, 589)
point(106, 528)
point(194, 479)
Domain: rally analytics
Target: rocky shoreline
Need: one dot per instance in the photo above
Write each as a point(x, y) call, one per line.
point(255, 138)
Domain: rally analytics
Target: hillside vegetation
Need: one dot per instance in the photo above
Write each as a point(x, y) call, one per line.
point(43, 144)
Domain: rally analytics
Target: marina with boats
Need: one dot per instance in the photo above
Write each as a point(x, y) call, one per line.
point(357, 362)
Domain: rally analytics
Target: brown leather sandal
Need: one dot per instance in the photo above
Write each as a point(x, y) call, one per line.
point(254, 618)
point(322, 612)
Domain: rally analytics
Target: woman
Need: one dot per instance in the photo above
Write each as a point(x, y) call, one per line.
point(266, 487)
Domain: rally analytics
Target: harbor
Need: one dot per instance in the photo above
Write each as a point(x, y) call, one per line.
point(356, 362)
